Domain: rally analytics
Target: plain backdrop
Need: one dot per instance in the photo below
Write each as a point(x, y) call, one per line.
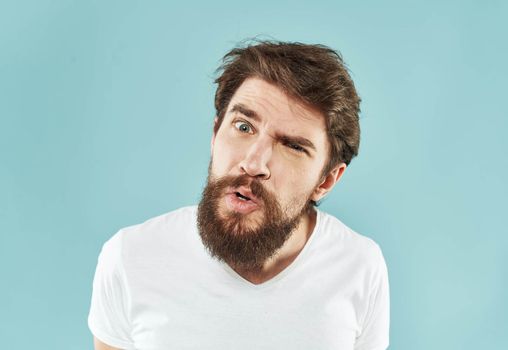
point(106, 110)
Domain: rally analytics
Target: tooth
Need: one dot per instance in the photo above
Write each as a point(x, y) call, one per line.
point(242, 197)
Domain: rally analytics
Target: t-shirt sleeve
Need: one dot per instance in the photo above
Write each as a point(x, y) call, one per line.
point(108, 318)
point(376, 324)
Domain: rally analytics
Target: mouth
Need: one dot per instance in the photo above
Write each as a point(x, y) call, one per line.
point(245, 194)
point(242, 197)
point(242, 200)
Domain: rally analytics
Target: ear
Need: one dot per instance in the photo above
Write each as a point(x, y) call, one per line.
point(212, 142)
point(328, 182)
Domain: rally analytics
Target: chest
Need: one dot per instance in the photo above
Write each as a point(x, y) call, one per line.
point(200, 313)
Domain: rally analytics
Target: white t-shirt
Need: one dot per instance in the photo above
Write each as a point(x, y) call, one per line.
point(156, 287)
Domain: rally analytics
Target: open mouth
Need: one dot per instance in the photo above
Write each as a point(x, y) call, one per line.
point(242, 201)
point(242, 197)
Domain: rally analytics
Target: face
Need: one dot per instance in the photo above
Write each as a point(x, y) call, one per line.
point(267, 158)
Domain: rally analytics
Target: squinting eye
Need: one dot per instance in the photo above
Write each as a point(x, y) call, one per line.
point(296, 147)
point(243, 127)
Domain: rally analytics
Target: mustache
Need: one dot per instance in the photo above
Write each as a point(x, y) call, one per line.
point(254, 185)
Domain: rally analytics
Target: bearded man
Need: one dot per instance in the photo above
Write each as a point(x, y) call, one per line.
point(255, 265)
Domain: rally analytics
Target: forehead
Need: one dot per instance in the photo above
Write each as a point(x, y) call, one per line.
point(280, 112)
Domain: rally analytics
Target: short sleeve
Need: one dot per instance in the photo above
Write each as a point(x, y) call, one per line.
point(376, 324)
point(108, 318)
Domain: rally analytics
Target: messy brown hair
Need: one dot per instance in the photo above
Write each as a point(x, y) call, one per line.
point(313, 74)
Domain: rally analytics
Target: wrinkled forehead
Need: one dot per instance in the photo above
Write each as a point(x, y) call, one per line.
point(271, 107)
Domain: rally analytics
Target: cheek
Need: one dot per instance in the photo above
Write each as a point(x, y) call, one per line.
point(304, 182)
point(225, 155)
point(292, 184)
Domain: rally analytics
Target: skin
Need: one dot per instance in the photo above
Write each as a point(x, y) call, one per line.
point(255, 146)
point(258, 146)
point(98, 345)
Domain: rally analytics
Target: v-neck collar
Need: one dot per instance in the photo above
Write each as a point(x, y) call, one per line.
point(281, 275)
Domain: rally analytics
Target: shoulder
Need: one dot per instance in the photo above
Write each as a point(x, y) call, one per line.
point(151, 235)
point(344, 240)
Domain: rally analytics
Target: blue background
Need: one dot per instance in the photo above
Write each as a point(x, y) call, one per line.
point(106, 112)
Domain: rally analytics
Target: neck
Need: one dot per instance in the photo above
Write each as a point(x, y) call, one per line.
point(286, 254)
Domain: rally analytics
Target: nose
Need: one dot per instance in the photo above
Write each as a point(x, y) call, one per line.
point(256, 159)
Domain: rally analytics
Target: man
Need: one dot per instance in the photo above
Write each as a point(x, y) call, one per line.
point(256, 265)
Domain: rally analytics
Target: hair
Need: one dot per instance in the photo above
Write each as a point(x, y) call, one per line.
point(313, 74)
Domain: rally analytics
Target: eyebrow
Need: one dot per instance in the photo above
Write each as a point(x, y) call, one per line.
point(240, 108)
point(249, 113)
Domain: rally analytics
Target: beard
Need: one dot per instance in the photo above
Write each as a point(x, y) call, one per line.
point(239, 240)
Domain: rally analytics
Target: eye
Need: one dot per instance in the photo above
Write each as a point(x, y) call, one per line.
point(295, 147)
point(243, 127)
